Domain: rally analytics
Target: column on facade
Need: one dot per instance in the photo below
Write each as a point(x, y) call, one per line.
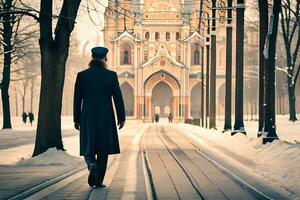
point(140, 94)
point(182, 95)
point(186, 79)
point(135, 64)
point(117, 55)
point(143, 94)
point(148, 108)
point(176, 101)
point(186, 94)
point(136, 95)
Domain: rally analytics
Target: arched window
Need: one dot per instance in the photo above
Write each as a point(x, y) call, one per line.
point(147, 36)
point(126, 58)
point(196, 57)
point(167, 36)
point(126, 54)
point(157, 36)
point(177, 36)
point(195, 54)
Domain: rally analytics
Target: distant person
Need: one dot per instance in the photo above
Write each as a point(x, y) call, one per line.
point(170, 117)
point(24, 117)
point(94, 115)
point(31, 117)
point(156, 118)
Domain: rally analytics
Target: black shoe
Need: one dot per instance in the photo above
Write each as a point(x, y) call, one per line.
point(92, 176)
point(99, 182)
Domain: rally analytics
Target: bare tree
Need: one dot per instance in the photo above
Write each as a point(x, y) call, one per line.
point(263, 29)
point(290, 25)
point(15, 38)
point(8, 22)
point(54, 53)
point(270, 55)
point(54, 49)
point(26, 77)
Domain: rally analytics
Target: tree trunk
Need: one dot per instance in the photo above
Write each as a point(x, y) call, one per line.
point(25, 84)
point(291, 57)
point(16, 102)
point(6, 106)
point(213, 68)
point(207, 75)
point(202, 68)
point(23, 103)
point(49, 122)
point(7, 30)
point(270, 125)
point(228, 80)
point(239, 78)
point(202, 86)
point(207, 83)
point(292, 101)
point(32, 94)
point(263, 29)
point(54, 53)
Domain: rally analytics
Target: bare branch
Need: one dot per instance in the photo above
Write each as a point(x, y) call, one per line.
point(24, 78)
point(21, 11)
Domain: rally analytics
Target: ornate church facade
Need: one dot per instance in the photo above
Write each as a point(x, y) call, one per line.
point(155, 47)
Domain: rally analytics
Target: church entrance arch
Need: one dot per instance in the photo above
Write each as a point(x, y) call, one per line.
point(162, 95)
point(162, 99)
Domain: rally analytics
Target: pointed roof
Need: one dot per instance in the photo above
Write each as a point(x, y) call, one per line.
point(125, 33)
point(163, 52)
point(194, 34)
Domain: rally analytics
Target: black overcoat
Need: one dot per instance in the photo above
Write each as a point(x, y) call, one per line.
point(95, 88)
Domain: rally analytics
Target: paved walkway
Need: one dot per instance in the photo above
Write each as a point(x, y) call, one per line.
point(157, 162)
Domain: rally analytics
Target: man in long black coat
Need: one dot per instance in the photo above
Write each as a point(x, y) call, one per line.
point(94, 115)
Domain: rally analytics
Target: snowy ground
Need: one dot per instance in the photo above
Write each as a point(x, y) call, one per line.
point(286, 130)
point(18, 144)
point(277, 163)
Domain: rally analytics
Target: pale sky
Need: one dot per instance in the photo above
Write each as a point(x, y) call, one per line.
point(89, 33)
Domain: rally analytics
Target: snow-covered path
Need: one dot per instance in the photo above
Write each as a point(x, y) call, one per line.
point(175, 154)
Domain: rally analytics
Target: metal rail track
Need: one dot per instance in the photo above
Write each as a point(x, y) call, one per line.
point(252, 190)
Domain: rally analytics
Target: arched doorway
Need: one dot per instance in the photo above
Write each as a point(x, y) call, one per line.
point(158, 85)
point(162, 99)
point(196, 101)
point(128, 96)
